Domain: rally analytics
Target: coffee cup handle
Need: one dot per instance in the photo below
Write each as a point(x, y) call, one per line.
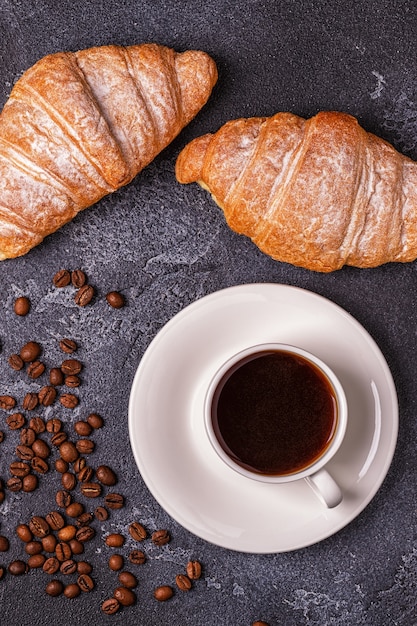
point(325, 488)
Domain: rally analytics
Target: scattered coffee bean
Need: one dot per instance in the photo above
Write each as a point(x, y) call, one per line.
point(7, 402)
point(68, 400)
point(85, 446)
point(137, 557)
point(35, 369)
point(4, 543)
point(24, 533)
point(27, 436)
point(49, 543)
point(128, 580)
point(260, 623)
point(16, 362)
point(24, 452)
point(68, 481)
point(54, 425)
point(15, 421)
point(84, 568)
point(54, 588)
point(72, 381)
point(30, 351)
point(161, 537)
point(63, 498)
point(78, 278)
point(84, 295)
point(39, 465)
point(163, 593)
point(85, 583)
point(106, 476)
point(95, 420)
point(85, 533)
point(41, 448)
point(39, 526)
point(62, 551)
point(55, 520)
point(33, 547)
point(72, 591)
point(85, 475)
point(68, 451)
point(115, 540)
point(75, 509)
point(110, 606)
point(82, 428)
point(125, 596)
point(79, 464)
point(30, 482)
point(56, 377)
point(137, 531)
point(21, 306)
point(61, 466)
point(37, 424)
point(36, 560)
point(18, 568)
point(71, 366)
point(91, 490)
point(30, 401)
point(14, 484)
point(183, 582)
point(68, 345)
point(84, 519)
point(58, 438)
point(101, 513)
point(114, 500)
point(47, 395)
point(62, 278)
point(51, 565)
point(68, 567)
point(116, 562)
point(77, 547)
point(19, 468)
point(115, 299)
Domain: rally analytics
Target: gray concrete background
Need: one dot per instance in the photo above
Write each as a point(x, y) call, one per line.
point(163, 246)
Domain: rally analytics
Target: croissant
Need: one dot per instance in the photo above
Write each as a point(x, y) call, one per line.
point(317, 193)
point(78, 126)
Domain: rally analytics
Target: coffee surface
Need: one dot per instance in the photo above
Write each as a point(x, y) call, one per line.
point(275, 414)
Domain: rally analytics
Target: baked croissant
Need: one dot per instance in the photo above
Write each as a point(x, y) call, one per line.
point(317, 193)
point(78, 126)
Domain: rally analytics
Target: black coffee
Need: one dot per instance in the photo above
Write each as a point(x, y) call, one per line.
point(274, 413)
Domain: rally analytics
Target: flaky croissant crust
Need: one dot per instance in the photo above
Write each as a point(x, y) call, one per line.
point(317, 193)
point(78, 126)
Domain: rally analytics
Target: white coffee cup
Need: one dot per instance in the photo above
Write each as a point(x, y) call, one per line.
point(314, 472)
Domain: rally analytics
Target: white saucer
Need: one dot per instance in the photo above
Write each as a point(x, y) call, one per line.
point(167, 434)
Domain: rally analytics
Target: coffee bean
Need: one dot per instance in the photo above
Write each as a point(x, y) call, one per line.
point(101, 513)
point(63, 498)
point(47, 395)
point(115, 540)
point(21, 306)
point(49, 543)
point(4, 543)
point(77, 547)
point(30, 401)
point(71, 366)
point(72, 381)
point(115, 299)
point(85, 533)
point(62, 551)
point(83, 428)
point(95, 420)
point(114, 500)
point(161, 537)
point(39, 465)
point(41, 448)
point(61, 466)
point(54, 425)
point(78, 278)
point(14, 484)
point(85, 583)
point(29, 482)
point(137, 557)
point(54, 588)
point(128, 580)
point(91, 490)
point(260, 623)
point(16, 362)
point(137, 531)
point(18, 568)
point(33, 547)
point(30, 351)
point(68, 481)
point(68, 345)
point(68, 451)
point(75, 509)
point(27, 436)
point(58, 438)
point(163, 593)
point(68, 400)
point(116, 562)
point(68, 567)
point(84, 295)
point(84, 568)
point(51, 565)
point(35, 369)
point(106, 476)
point(72, 591)
point(37, 424)
point(79, 464)
point(15, 421)
point(24, 533)
point(19, 468)
point(67, 533)
point(39, 526)
point(56, 377)
point(183, 582)
point(62, 278)
point(84, 519)
point(110, 606)
point(85, 474)
point(125, 596)
point(24, 452)
point(7, 402)
point(36, 560)
point(55, 520)
point(85, 446)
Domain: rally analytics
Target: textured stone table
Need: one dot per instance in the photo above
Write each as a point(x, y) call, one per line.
point(164, 246)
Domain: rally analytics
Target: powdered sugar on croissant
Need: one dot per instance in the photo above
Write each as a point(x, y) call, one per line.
point(78, 126)
point(317, 193)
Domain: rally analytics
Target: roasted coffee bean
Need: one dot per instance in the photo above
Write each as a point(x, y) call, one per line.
point(14, 484)
point(125, 596)
point(85, 474)
point(114, 500)
point(30, 401)
point(84, 295)
point(91, 490)
point(37, 424)
point(61, 466)
point(24, 533)
point(84, 519)
point(75, 509)
point(183, 582)
point(78, 278)
point(68, 451)
point(161, 537)
point(67, 533)
point(72, 381)
point(116, 562)
point(47, 395)
point(55, 520)
point(68, 567)
point(115, 299)
point(85, 583)
point(85, 533)
point(59, 438)
point(137, 531)
point(68, 345)
point(56, 377)
point(69, 400)
point(39, 526)
point(4, 543)
point(95, 420)
point(51, 565)
point(106, 476)
point(71, 366)
point(41, 448)
point(7, 403)
point(260, 623)
point(35, 369)
point(29, 482)
point(33, 547)
point(127, 579)
point(18, 568)
point(79, 464)
point(137, 557)
point(63, 498)
point(30, 351)
point(36, 560)
point(39, 465)
point(21, 306)
point(62, 551)
point(114, 540)
point(72, 591)
point(163, 593)
point(101, 513)
point(77, 547)
point(85, 446)
point(19, 468)
point(84, 429)
point(110, 606)
point(62, 278)
point(84, 568)
point(54, 425)
point(16, 362)
point(49, 543)
point(27, 436)
point(15, 421)
point(24, 452)
point(54, 588)
point(68, 481)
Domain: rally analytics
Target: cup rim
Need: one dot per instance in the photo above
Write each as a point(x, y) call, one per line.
point(333, 380)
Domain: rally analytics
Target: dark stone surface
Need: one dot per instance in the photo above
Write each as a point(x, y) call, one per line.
point(164, 245)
